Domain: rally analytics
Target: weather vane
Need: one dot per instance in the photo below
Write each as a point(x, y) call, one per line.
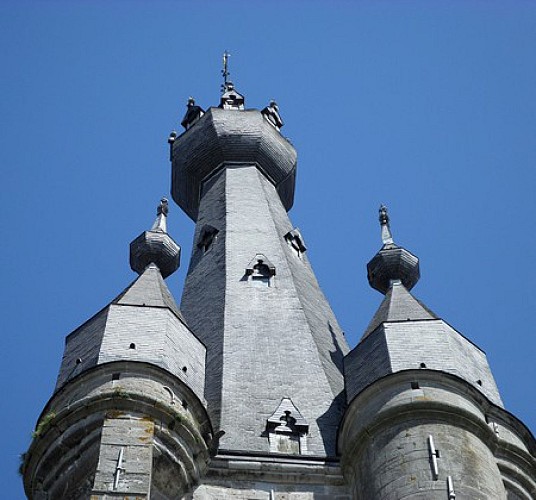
point(225, 71)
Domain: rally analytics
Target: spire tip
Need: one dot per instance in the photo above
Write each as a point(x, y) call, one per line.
point(225, 72)
point(163, 207)
point(387, 237)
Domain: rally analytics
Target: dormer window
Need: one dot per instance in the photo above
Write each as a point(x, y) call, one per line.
point(287, 429)
point(295, 241)
point(231, 99)
point(207, 238)
point(260, 271)
point(261, 274)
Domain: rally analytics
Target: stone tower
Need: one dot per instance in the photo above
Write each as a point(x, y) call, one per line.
point(128, 417)
point(250, 390)
point(425, 419)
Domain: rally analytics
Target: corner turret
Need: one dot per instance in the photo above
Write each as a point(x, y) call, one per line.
point(128, 415)
point(424, 414)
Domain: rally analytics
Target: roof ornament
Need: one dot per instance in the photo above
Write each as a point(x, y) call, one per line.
point(160, 224)
point(392, 263)
point(387, 237)
point(271, 113)
point(193, 114)
point(225, 72)
point(156, 246)
point(230, 98)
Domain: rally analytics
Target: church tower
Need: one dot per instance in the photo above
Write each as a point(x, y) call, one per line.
point(249, 390)
point(274, 380)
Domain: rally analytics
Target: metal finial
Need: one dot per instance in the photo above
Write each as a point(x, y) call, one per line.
point(163, 208)
point(387, 238)
point(160, 224)
point(225, 71)
point(156, 246)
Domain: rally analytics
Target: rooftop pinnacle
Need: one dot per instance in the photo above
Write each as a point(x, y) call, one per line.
point(387, 237)
point(160, 224)
point(156, 246)
point(392, 263)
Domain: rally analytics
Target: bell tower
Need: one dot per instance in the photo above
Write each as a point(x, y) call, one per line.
point(249, 390)
point(274, 378)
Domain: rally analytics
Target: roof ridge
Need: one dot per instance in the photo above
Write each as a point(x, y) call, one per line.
point(399, 305)
point(150, 290)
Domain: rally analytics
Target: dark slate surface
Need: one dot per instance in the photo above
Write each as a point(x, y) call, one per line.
point(145, 315)
point(393, 263)
point(263, 343)
point(150, 290)
point(398, 305)
point(230, 136)
point(155, 247)
point(439, 347)
point(367, 362)
point(84, 344)
point(405, 335)
point(203, 298)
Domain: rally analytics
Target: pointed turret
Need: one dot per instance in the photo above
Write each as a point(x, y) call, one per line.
point(411, 333)
point(394, 271)
point(423, 406)
point(130, 387)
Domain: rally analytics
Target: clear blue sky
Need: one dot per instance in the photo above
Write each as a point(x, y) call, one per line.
point(428, 107)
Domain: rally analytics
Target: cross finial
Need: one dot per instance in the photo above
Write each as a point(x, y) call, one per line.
point(225, 71)
point(387, 238)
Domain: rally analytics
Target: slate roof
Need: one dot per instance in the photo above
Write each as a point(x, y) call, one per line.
point(143, 323)
point(403, 335)
point(399, 305)
point(264, 343)
point(149, 289)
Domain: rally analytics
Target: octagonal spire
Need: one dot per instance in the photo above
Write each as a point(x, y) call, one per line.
point(156, 246)
point(392, 263)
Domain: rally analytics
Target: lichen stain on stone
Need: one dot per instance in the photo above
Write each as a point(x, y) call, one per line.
point(114, 414)
point(148, 425)
point(471, 459)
